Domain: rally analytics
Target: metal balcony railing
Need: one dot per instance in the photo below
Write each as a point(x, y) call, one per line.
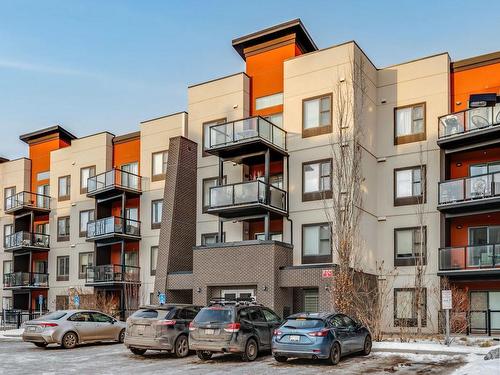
point(113, 273)
point(114, 178)
point(245, 130)
point(26, 199)
point(469, 257)
point(26, 279)
point(469, 120)
point(113, 225)
point(469, 188)
point(27, 239)
point(247, 192)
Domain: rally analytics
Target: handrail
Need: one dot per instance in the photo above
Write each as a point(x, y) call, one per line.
point(26, 198)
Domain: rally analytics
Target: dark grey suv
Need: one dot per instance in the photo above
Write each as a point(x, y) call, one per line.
point(233, 327)
point(160, 327)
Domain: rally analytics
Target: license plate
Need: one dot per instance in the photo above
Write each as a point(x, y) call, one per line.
point(209, 331)
point(31, 329)
point(140, 330)
point(294, 338)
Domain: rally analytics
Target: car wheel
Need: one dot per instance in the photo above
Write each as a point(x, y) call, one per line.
point(40, 344)
point(181, 347)
point(334, 354)
point(251, 351)
point(367, 347)
point(204, 355)
point(121, 337)
point(69, 340)
point(281, 358)
point(138, 351)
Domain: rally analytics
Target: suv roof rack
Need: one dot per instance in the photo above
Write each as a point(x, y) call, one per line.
point(236, 302)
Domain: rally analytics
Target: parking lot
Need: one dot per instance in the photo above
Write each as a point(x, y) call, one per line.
point(17, 357)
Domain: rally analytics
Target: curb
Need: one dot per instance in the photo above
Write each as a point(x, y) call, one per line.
point(422, 351)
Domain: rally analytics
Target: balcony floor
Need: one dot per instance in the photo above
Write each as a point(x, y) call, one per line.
point(113, 237)
point(35, 249)
point(470, 140)
point(253, 209)
point(469, 207)
point(28, 208)
point(112, 190)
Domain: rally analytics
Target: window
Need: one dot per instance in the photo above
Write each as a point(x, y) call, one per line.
point(206, 134)
point(42, 228)
point(42, 199)
point(156, 210)
point(211, 238)
point(409, 186)
point(8, 229)
point(63, 228)
point(409, 124)
point(63, 268)
point(154, 259)
point(159, 165)
point(274, 236)
point(85, 174)
point(405, 307)
point(311, 300)
point(316, 243)
point(486, 168)
point(64, 186)
point(130, 175)
point(276, 119)
point(101, 318)
point(269, 101)
point(317, 116)
point(407, 245)
point(84, 260)
point(317, 180)
point(7, 193)
point(207, 184)
point(131, 258)
point(40, 176)
point(85, 217)
point(7, 267)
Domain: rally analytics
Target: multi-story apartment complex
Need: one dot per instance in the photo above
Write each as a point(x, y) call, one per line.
point(245, 190)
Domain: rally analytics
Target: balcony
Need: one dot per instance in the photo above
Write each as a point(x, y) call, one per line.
point(113, 181)
point(25, 240)
point(469, 127)
point(26, 201)
point(112, 274)
point(469, 194)
point(112, 228)
point(247, 198)
point(468, 260)
point(30, 280)
point(247, 136)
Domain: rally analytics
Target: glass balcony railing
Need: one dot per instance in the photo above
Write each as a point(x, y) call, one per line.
point(113, 273)
point(468, 121)
point(248, 192)
point(113, 225)
point(27, 239)
point(469, 257)
point(114, 178)
point(244, 130)
point(26, 279)
point(469, 188)
point(26, 199)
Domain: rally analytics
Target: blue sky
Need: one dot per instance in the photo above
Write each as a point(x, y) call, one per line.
point(107, 65)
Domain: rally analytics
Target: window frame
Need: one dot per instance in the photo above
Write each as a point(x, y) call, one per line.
point(409, 322)
point(216, 234)
point(313, 259)
point(319, 194)
point(4, 263)
point(60, 277)
point(410, 138)
point(84, 274)
point(161, 176)
point(153, 271)
point(84, 233)
point(322, 129)
point(411, 260)
point(218, 121)
point(5, 231)
point(83, 190)
point(414, 199)
point(156, 225)
point(65, 237)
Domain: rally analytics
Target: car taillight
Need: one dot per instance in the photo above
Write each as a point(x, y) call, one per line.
point(48, 325)
point(322, 333)
point(277, 332)
point(166, 323)
point(232, 327)
point(191, 326)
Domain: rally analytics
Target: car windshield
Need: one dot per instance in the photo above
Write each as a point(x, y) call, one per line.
point(56, 315)
point(151, 313)
point(303, 323)
point(214, 315)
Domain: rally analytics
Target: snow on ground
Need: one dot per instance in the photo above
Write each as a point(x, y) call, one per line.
point(11, 333)
point(429, 348)
point(478, 366)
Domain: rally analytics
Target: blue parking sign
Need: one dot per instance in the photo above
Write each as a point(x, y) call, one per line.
point(76, 300)
point(162, 298)
point(40, 299)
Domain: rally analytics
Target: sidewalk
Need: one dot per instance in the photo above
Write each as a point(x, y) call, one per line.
point(11, 333)
point(429, 348)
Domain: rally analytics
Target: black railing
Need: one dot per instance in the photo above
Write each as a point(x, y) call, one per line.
point(14, 318)
point(469, 120)
point(469, 257)
point(469, 188)
point(114, 178)
point(27, 239)
point(483, 322)
point(26, 199)
point(244, 130)
point(113, 273)
point(113, 225)
point(26, 279)
point(247, 192)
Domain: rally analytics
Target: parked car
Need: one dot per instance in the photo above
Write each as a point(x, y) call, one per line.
point(233, 327)
point(69, 328)
point(320, 336)
point(160, 327)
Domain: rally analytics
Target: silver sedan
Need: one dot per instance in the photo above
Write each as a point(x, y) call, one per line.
point(69, 328)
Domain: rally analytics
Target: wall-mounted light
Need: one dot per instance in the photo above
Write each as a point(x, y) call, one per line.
point(459, 226)
point(458, 103)
point(342, 79)
point(459, 164)
point(383, 101)
point(235, 106)
point(264, 288)
point(198, 290)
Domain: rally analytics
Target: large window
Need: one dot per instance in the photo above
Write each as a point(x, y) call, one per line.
point(316, 243)
point(8, 229)
point(409, 123)
point(311, 300)
point(408, 244)
point(409, 185)
point(64, 188)
point(207, 184)
point(85, 217)
point(84, 260)
point(269, 101)
point(85, 174)
point(156, 210)
point(317, 115)
point(317, 180)
point(7, 267)
point(63, 228)
point(405, 307)
point(154, 259)
point(159, 165)
point(63, 268)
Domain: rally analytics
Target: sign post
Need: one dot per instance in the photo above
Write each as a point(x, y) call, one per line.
point(40, 302)
point(76, 301)
point(162, 298)
point(447, 304)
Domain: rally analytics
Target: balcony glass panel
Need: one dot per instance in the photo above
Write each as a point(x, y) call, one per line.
point(27, 239)
point(26, 279)
point(113, 225)
point(114, 178)
point(469, 257)
point(110, 273)
point(469, 188)
point(451, 191)
point(480, 256)
point(27, 199)
point(469, 120)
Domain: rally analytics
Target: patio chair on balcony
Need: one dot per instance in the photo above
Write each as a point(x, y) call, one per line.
point(479, 121)
point(452, 125)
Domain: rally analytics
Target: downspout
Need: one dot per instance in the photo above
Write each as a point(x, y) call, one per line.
point(288, 197)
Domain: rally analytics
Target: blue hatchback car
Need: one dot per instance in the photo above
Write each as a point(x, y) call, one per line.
point(320, 336)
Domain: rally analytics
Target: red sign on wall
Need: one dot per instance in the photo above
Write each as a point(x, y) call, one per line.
point(326, 273)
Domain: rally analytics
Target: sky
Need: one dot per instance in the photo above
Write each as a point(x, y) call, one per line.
point(99, 65)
